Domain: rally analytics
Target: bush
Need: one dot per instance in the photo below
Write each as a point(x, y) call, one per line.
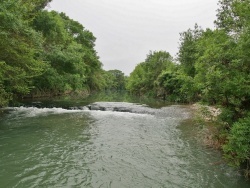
point(227, 116)
point(237, 149)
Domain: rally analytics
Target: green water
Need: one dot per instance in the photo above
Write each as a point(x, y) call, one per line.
point(56, 147)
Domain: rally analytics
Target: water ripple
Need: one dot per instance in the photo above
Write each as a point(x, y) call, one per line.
point(82, 148)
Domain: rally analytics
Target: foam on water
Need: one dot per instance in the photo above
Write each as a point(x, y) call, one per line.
point(34, 111)
point(99, 114)
point(56, 147)
point(24, 112)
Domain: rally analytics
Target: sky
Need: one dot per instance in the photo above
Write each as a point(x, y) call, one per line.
point(127, 30)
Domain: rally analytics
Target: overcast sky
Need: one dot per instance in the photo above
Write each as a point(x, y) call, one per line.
point(126, 30)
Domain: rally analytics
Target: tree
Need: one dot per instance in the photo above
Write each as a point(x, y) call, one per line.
point(187, 54)
point(137, 80)
point(233, 16)
point(44, 53)
point(69, 50)
point(238, 146)
point(20, 49)
point(114, 80)
point(52, 26)
point(143, 79)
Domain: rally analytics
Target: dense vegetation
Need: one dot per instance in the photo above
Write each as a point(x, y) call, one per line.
point(213, 66)
point(114, 80)
point(46, 53)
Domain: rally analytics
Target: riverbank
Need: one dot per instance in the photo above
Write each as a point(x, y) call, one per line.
point(45, 94)
point(206, 118)
point(232, 141)
point(144, 147)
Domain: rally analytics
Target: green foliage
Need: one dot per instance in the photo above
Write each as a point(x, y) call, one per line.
point(49, 82)
point(213, 67)
point(155, 63)
point(176, 86)
point(78, 32)
point(51, 25)
point(169, 85)
point(222, 75)
point(115, 80)
point(33, 6)
point(69, 50)
point(227, 117)
point(238, 146)
point(136, 80)
point(159, 76)
point(144, 77)
point(4, 95)
point(233, 16)
point(20, 50)
point(187, 54)
point(44, 53)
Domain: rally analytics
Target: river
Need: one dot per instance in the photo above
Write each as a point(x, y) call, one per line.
point(63, 143)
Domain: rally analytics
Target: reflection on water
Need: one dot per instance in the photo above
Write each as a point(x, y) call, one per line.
point(109, 96)
point(55, 147)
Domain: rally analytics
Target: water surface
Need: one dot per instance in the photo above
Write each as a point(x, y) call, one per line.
point(57, 147)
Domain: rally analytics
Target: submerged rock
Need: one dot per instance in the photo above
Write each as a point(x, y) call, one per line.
point(121, 107)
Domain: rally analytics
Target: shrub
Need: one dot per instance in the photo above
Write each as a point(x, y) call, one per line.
point(237, 149)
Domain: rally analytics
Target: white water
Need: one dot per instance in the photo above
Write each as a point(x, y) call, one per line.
point(55, 147)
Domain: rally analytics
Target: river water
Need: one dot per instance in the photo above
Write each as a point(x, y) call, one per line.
point(138, 146)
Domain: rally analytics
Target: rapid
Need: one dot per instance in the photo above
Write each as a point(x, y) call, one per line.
point(107, 144)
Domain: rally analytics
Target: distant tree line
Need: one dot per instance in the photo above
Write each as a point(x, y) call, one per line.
point(45, 53)
point(213, 66)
